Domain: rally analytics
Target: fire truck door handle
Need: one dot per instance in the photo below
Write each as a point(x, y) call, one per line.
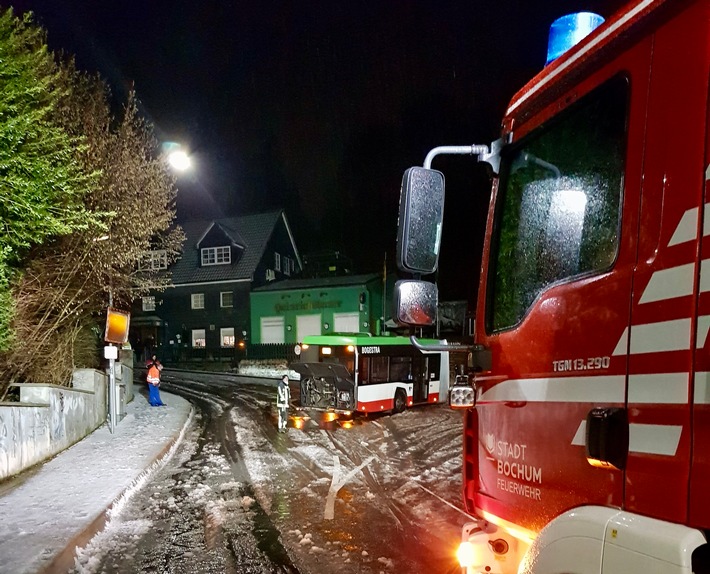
point(607, 437)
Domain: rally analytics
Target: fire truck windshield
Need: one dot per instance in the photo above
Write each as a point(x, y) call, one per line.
point(558, 206)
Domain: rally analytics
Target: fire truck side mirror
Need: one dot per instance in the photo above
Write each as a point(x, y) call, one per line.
point(415, 303)
point(421, 215)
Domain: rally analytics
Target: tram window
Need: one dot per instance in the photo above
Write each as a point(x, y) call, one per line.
point(349, 363)
point(364, 370)
point(434, 362)
point(401, 369)
point(379, 369)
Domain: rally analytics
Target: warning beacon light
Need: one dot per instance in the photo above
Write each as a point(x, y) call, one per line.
point(569, 30)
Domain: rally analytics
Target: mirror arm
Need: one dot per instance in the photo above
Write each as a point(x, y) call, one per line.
point(479, 356)
point(455, 150)
point(446, 347)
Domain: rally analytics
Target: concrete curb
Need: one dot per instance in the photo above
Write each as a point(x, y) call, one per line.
point(65, 559)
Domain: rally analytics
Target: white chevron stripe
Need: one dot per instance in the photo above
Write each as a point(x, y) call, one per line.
point(656, 337)
point(580, 437)
point(705, 276)
point(622, 347)
point(703, 327)
point(648, 439)
point(594, 389)
point(687, 229)
point(659, 388)
point(654, 439)
point(688, 225)
point(669, 284)
point(701, 387)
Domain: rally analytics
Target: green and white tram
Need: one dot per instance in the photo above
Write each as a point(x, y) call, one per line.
point(346, 373)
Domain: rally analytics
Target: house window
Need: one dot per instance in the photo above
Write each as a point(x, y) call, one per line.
point(216, 256)
point(277, 261)
point(148, 303)
point(293, 265)
point(197, 300)
point(287, 265)
point(226, 299)
point(198, 338)
point(155, 260)
point(226, 335)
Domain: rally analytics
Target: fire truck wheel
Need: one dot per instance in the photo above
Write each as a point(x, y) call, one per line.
point(400, 401)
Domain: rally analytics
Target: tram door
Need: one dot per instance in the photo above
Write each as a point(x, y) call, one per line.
point(420, 375)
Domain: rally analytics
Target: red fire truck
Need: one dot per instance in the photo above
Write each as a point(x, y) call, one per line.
point(586, 400)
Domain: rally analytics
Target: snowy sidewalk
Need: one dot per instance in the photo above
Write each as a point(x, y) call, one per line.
point(62, 503)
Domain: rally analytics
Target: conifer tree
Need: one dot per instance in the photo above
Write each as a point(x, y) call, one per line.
point(42, 183)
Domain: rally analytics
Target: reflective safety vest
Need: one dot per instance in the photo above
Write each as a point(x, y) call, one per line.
point(282, 395)
point(153, 375)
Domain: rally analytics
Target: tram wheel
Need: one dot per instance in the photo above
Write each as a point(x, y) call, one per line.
point(400, 401)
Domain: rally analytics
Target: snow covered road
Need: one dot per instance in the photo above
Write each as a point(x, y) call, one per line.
point(363, 495)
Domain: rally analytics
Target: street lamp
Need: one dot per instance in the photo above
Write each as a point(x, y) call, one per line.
point(177, 157)
point(179, 160)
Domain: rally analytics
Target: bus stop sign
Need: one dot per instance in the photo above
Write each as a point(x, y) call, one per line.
point(117, 323)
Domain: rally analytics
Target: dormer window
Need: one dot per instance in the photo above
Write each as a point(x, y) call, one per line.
point(154, 260)
point(216, 255)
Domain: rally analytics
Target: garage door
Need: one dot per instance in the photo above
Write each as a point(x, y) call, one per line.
point(272, 330)
point(346, 322)
point(307, 325)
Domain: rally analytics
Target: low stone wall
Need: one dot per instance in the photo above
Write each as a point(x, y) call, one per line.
point(268, 368)
point(50, 418)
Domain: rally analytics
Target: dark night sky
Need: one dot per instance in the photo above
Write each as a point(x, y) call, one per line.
point(318, 106)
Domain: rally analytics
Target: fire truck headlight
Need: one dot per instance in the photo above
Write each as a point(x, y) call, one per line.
point(462, 397)
point(466, 554)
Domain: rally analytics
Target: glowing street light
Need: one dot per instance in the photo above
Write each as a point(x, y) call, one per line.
point(177, 157)
point(179, 160)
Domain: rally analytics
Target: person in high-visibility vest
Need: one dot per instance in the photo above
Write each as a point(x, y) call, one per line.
point(283, 397)
point(153, 377)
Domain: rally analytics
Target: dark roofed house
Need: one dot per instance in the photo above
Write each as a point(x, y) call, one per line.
point(205, 313)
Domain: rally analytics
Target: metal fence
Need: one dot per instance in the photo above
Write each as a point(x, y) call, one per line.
point(271, 351)
point(232, 355)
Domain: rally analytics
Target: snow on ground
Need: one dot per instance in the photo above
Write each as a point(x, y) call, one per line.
point(413, 465)
point(405, 468)
point(196, 492)
point(54, 502)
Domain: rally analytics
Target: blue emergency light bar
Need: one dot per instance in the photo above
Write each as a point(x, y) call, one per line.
point(569, 30)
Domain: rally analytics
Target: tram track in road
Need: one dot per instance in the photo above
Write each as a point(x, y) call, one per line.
point(371, 479)
point(392, 436)
point(215, 403)
point(393, 469)
point(386, 486)
point(295, 474)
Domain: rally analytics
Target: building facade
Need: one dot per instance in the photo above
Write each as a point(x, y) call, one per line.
point(205, 313)
point(289, 310)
